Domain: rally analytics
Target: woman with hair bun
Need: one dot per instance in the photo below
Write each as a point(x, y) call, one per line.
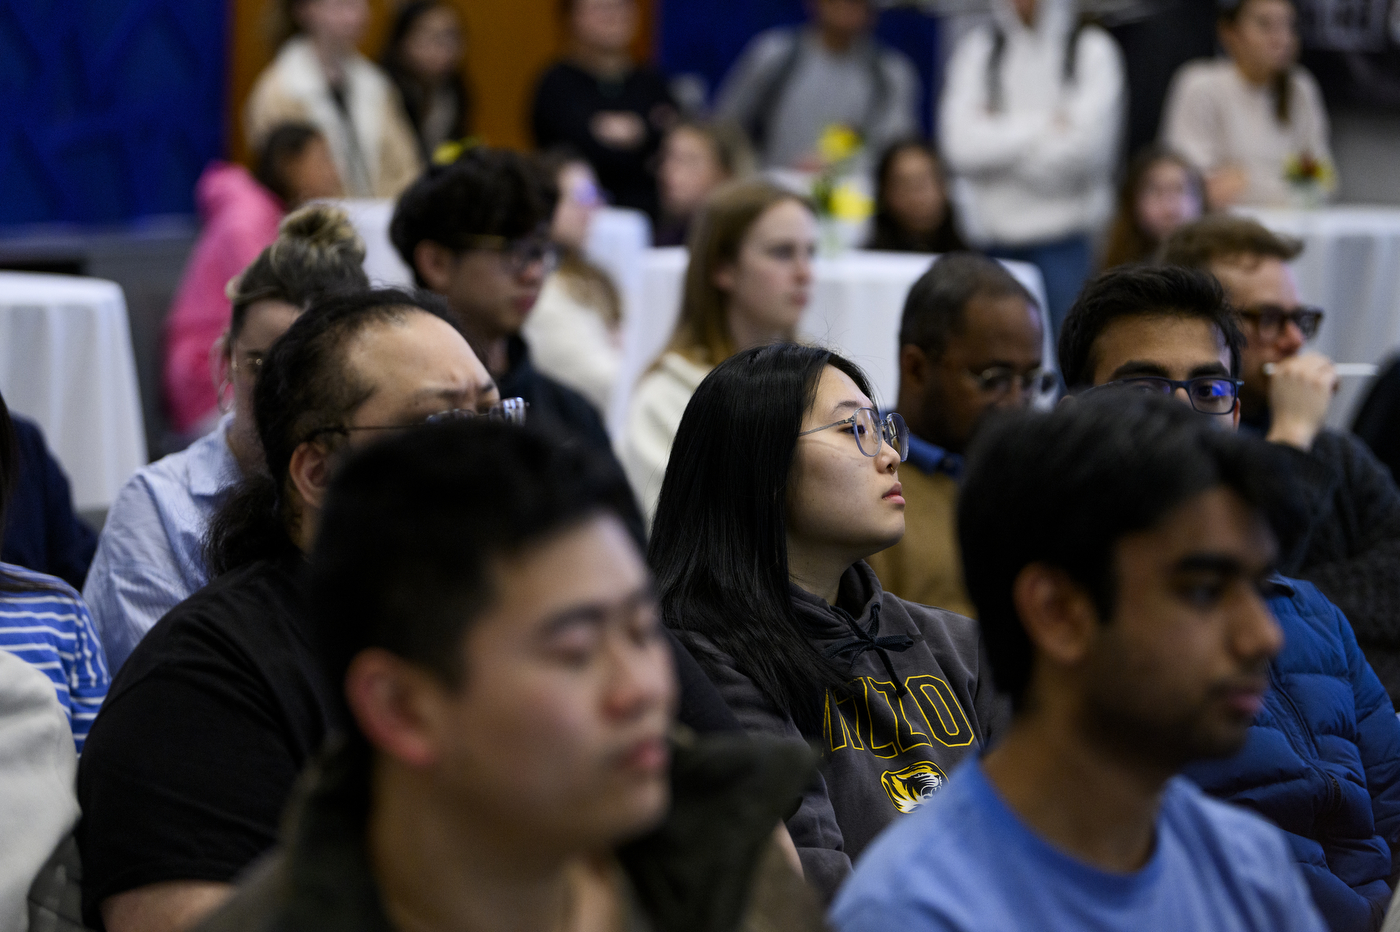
point(149, 555)
point(1249, 121)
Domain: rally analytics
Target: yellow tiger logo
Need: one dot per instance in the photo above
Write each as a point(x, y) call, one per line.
point(913, 786)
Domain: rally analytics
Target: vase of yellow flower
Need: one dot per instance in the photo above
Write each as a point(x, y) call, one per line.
point(1310, 180)
point(842, 203)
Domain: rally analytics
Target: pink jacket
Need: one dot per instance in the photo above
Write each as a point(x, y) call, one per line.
point(240, 219)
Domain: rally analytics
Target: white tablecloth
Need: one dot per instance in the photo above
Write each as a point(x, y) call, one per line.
point(66, 361)
point(1350, 267)
point(857, 300)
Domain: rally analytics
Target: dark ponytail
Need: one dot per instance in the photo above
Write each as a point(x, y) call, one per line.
point(305, 393)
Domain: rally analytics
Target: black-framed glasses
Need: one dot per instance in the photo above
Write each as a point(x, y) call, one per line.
point(508, 410)
point(517, 255)
point(871, 431)
point(1207, 394)
point(1270, 319)
point(998, 381)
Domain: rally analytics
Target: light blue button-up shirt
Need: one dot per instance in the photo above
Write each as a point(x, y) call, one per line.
point(149, 557)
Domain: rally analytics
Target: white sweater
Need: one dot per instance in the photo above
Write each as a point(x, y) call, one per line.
point(1214, 118)
point(653, 416)
point(570, 342)
point(1041, 168)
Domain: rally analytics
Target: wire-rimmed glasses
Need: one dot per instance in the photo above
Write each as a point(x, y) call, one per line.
point(871, 431)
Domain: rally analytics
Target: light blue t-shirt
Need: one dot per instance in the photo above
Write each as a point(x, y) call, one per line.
point(150, 554)
point(966, 862)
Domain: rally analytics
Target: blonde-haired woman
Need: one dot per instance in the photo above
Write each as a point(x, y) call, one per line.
point(747, 284)
point(320, 77)
point(149, 556)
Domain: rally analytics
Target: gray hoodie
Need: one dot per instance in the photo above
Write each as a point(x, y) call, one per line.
point(919, 700)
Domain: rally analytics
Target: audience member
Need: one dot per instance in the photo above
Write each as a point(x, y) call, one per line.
point(575, 328)
point(149, 557)
point(1116, 549)
point(1161, 193)
point(747, 283)
point(783, 479)
point(319, 77)
point(240, 216)
point(791, 85)
point(912, 211)
point(1377, 420)
point(1351, 550)
point(40, 530)
point(476, 231)
point(1242, 120)
point(605, 105)
point(38, 807)
point(44, 622)
point(423, 58)
point(970, 342)
point(1322, 760)
point(696, 159)
point(1030, 120)
point(222, 704)
point(507, 764)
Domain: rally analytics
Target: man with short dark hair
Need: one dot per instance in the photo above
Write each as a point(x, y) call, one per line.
point(476, 231)
point(510, 695)
point(1352, 549)
point(970, 342)
point(1117, 550)
point(1323, 758)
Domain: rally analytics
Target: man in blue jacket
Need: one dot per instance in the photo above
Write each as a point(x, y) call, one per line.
point(1322, 760)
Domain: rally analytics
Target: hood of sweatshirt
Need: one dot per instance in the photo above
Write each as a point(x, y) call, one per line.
point(223, 186)
point(1052, 23)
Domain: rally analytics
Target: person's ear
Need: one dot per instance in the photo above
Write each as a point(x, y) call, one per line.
point(395, 704)
point(915, 368)
point(221, 362)
point(310, 472)
point(723, 277)
point(434, 262)
point(1058, 614)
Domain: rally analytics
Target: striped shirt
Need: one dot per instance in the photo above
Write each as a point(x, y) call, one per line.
point(50, 629)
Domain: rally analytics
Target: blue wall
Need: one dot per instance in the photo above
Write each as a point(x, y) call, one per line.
point(109, 109)
point(705, 37)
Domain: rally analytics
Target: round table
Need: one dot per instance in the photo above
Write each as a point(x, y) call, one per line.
point(856, 304)
point(66, 362)
point(1349, 267)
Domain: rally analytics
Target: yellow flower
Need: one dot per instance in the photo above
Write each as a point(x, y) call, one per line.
point(849, 203)
point(838, 143)
point(1304, 169)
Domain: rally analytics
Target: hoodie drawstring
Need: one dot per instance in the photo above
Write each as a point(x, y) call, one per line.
point(850, 649)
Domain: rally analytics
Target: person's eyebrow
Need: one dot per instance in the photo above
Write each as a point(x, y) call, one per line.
point(847, 405)
point(595, 613)
point(1139, 367)
point(1210, 370)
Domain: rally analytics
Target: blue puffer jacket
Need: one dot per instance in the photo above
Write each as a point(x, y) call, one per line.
point(1323, 761)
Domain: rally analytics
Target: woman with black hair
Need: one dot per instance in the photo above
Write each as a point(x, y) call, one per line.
point(423, 58)
point(913, 212)
point(782, 479)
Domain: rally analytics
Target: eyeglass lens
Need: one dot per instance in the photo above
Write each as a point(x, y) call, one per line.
point(999, 380)
point(1207, 395)
point(1271, 320)
point(891, 430)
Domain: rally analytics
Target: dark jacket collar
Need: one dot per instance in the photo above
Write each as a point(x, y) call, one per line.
point(693, 873)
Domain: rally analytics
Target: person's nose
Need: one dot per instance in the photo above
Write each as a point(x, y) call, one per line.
point(802, 269)
point(640, 678)
point(1257, 636)
point(1290, 338)
point(887, 460)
